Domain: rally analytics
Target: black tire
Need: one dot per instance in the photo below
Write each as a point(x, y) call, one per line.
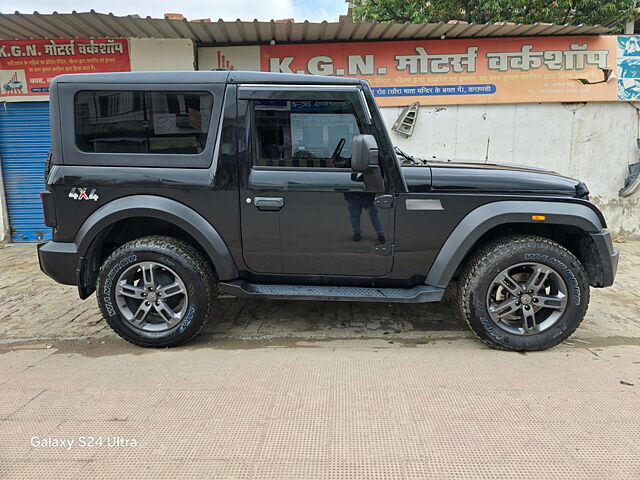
point(171, 258)
point(478, 287)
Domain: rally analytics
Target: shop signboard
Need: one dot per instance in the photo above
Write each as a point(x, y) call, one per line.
point(27, 66)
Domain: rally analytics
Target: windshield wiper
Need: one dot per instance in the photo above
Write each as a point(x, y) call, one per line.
point(409, 159)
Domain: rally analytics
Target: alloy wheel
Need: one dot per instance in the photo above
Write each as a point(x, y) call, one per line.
point(151, 297)
point(527, 298)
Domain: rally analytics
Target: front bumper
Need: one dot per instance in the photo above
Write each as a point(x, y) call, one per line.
point(609, 257)
point(60, 261)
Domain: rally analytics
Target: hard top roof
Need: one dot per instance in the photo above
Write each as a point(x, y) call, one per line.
point(201, 76)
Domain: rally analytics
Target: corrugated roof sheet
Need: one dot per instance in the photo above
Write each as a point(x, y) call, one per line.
point(19, 26)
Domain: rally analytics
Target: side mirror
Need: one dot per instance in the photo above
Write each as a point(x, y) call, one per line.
point(364, 153)
point(364, 159)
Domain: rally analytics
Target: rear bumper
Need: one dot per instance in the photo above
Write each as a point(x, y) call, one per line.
point(60, 261)
point(609, 257)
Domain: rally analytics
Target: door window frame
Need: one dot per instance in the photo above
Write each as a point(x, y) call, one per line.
point(350, 93)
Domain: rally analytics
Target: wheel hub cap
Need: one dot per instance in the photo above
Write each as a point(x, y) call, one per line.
point(526, 299)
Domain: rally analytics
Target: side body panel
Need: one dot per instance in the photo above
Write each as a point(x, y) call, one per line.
point(439, 238)
point(491, 215)
point(312, 233)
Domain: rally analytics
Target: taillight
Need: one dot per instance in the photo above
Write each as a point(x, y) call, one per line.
point(49, 209)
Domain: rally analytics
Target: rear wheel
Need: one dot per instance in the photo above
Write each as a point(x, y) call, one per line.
point(156, 291)
point(524, 293)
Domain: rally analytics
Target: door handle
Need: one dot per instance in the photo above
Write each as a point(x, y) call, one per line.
point(269, 204)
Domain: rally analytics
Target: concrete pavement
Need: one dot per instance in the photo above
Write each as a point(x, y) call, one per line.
point(312, 390)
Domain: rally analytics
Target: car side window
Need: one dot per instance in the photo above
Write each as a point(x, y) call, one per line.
point(304, 133)
point(170, 122)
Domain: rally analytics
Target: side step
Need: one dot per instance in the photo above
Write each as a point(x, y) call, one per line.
point(417, 294)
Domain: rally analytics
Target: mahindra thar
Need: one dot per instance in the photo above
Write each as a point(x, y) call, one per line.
point(166, 188)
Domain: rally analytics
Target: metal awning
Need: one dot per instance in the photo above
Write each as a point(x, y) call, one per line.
point(19, 26)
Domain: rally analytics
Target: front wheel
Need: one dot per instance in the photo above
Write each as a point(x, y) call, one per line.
point(523, 293)
point(155, 291)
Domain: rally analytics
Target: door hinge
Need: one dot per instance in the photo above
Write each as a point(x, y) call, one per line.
point(384, 201)
point(384, 249)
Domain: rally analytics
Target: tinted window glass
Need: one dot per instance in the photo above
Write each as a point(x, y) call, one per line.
point(142, 122)
point(304, 133)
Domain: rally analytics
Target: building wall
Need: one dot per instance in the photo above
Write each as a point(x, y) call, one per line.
point(151, 54)
point(236, 58)
point(594, 142)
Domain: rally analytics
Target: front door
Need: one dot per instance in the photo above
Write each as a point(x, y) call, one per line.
point(303, 210)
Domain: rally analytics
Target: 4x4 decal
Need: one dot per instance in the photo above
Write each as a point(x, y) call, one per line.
point(78, 193)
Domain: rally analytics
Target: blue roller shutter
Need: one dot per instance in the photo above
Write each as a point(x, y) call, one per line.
point(24, 145)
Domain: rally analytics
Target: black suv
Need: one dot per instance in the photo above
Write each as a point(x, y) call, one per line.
point(164, 189)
